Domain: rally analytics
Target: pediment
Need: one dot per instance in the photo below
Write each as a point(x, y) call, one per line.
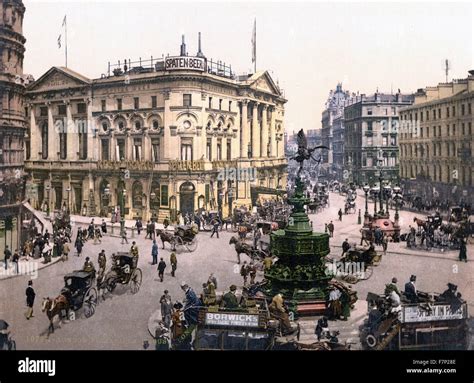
point(263, 82)
point(58, 78)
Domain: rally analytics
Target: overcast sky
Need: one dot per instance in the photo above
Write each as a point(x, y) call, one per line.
point(308, 47)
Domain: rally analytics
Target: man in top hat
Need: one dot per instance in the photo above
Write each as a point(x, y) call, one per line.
point(410, 290)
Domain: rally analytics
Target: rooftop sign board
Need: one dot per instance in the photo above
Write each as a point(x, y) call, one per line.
point(185, 63)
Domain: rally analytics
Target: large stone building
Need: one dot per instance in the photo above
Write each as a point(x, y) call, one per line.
point(371, 134)
point(334, 109)
point(173, 134)
point(12, 122)
point(436, 142)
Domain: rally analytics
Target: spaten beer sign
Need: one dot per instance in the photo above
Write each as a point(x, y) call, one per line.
point(231, 319)
point(185, 63)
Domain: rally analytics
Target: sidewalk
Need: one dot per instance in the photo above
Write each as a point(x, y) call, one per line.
point(26, 268)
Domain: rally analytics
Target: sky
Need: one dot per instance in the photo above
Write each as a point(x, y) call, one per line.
point(308, 47)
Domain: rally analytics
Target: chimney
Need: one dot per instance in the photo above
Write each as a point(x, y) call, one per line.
point(199, 54)
point(183, 47)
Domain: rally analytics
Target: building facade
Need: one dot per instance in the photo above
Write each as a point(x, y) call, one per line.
point(338, 147)
point(179, 134)
point(436, 142)
point(334, 109)
point(371, 136)
point(12, 123)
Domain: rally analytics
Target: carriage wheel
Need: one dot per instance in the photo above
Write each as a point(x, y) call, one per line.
point(111, 283)
point(371, 340)
point(192, 245)
point(89, 302)
point(135, 281)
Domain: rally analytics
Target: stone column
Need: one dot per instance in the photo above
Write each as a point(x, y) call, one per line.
point(53, 137)
point(272, 133)
point(72, 135)
point(245, 130)
point(35, 135)
point(129, 147)
point(255, 132)
point(146, 147)
point(167, 121)
point(224, 148)
point(264, 146)
point(91, 148)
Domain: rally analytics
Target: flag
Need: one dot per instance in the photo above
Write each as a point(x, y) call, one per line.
point(254, 42)
point(59, 42)
point(64, 21)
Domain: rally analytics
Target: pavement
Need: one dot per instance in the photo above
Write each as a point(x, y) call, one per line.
point(121, 320)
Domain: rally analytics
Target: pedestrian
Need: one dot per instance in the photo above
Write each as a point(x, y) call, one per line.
point(345, 246)
point(7, 255)
point(334, 305)
point(244, 272)
point(103, 226)
point(139, 225)
point(166, 222)
point(78, 246)
point(212, 279)
point(65, 251)
point(15, 259)
point(411, 292)
point(166, 308)
point(154, 253)
point(331, 229)
point(102, 262)
point(134, 249)
point(161, 269)
point(152, 230)
point(215, 227)
point(124, 236)
point(252, 272)
point(384, 244)
point(339, 213)
point(174, 263)
point(148, 230)
point(30, 300)
point(322, 327)
point(97, 236)
point(346, 305)
point(463, 250)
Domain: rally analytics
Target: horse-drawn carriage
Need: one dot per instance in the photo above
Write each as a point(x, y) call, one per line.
point(358, 263)
point(183, 235)
point(80, 292)
point(124, 271)
point(6, 341)
point(458, 214)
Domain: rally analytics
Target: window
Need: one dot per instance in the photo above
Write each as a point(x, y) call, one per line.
point(369, 141)
point(186, 100)
point(421, 132)
point(155, 146)
point(469, 128)
point(62, 110)
point(153, 102)
point(393, 140)
point(427, 116)
point(229, 150)
point(434, 114)
point(137, 149)
point(220, 104)
point(369, 126)
point(230, 106)
point(119, 104)
point(421, 116)
point(439, 113)
point(62, 146)
point(137, 195)
point(44, 111)
point(81, 108)
point(447, 149)
point(469, 109)
point(105, 150)
point(83, 143)
point(463, 129)
point(155, 124)
point(210, 102)
point(454, 129)
point(209, 149)
point(369, 112)
point(186, 152)
point(384, 141)
point(219, 151)
point(120, 149)
point(136, 103)
point(439, 131)
point(164, 195)
point(463, 110)
point(44, 140)
point(138, 125)
point(454, 111)
point(103, 105)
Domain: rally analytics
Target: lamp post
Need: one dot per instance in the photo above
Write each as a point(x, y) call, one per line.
point(397, 195)
point(366, 189)
point(374, 192)
point(123, 193)
point(48, 209)
point(387, 191)
point(68, 191)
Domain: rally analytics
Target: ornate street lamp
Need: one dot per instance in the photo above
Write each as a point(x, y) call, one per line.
point(123, 193)
point(387, 192)
point(48, 209)
point(397, 195)
point(366, 190)
point(375, 191)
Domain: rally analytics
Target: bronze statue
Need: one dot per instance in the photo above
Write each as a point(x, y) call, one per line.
point(304, 153)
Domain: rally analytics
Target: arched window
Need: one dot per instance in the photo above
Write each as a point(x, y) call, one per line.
point(137, 195)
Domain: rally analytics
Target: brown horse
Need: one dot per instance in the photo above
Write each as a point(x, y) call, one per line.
point(167, 236)
point(54, 307)
point(420, 223)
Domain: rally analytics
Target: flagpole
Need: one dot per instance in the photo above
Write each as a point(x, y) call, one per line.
point(255, 63)
point(65, 27)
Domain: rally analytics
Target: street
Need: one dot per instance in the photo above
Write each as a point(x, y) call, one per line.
point(120, 322)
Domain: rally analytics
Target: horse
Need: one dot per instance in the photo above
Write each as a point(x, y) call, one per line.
point(420, 223)
point(245, 248)
point(167, 237)
point(54, 307)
